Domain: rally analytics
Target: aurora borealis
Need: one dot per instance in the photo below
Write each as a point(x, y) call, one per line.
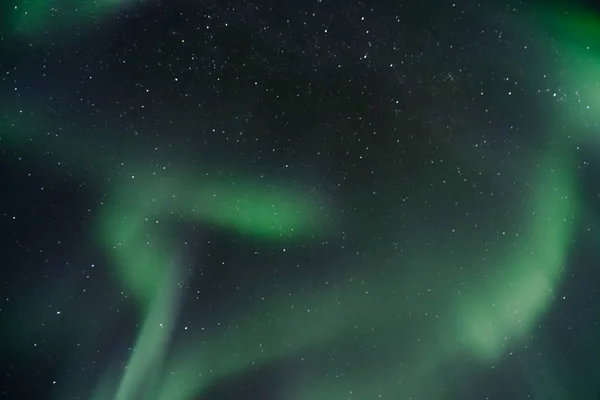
point(253, 200)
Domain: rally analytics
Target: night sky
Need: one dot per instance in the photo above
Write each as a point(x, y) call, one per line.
point(299, 200)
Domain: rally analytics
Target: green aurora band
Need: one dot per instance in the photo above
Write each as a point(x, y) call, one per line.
point(486, 319)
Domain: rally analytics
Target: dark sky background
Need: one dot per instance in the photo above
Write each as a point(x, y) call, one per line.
point(417, 139)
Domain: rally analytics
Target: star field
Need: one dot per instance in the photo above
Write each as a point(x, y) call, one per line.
point(299, 200)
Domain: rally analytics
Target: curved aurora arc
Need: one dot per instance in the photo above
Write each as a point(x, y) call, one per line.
point(138, 246)
point(505, 308)
point(530, 275)
point(491, 317)
point(498, 312)
point(488, 321)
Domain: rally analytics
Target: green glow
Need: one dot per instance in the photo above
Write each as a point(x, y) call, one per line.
point(519, 296)
point(510, 306)
point(575, 35)
point(35, 17)
point(144, 205)
point(151, 346)
point(131, 224)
